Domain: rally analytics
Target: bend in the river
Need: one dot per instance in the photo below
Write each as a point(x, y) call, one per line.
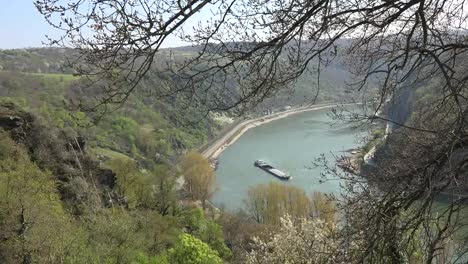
point(292, 144)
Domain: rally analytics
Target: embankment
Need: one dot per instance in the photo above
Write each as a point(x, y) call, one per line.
point(236, 131)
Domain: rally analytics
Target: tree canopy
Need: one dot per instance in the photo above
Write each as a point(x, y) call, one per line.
point(190, 250)
point(200, 180)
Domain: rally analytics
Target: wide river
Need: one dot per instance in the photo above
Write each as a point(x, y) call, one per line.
point(291, 144)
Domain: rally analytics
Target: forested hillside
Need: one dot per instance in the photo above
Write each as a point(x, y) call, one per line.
point(143, 128)
point(147, 127)
point(81, 187)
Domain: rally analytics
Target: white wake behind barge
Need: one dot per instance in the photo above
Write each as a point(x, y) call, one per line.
point(272, 170)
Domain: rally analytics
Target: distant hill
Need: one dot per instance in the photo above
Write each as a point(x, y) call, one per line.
point(333, 84)
point(37, 60)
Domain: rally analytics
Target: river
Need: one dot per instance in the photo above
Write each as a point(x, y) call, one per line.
point(291, 144)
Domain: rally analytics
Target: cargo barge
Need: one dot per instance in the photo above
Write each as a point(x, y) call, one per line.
point(270, 169)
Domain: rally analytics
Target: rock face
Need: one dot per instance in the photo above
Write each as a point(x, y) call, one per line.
point(14, 120)
point(9, 122)
point(80, 177)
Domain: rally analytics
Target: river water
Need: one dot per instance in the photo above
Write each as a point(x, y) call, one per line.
point(291, 144)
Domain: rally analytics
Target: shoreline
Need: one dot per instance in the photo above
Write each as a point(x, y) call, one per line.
point(234, 134)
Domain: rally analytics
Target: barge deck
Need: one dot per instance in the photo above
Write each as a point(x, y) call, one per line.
point(272, 170)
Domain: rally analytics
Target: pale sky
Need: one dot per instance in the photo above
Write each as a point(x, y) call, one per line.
point(21, 26)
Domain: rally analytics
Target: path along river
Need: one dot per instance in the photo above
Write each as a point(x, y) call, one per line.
point(290, 144)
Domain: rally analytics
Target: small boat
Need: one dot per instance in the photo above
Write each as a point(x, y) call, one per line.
point(214, 164)
point(272, 170)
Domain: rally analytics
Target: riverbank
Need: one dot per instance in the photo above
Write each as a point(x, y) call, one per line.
point(216, 148)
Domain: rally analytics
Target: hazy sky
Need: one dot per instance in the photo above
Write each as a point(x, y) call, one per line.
point(21, 26)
